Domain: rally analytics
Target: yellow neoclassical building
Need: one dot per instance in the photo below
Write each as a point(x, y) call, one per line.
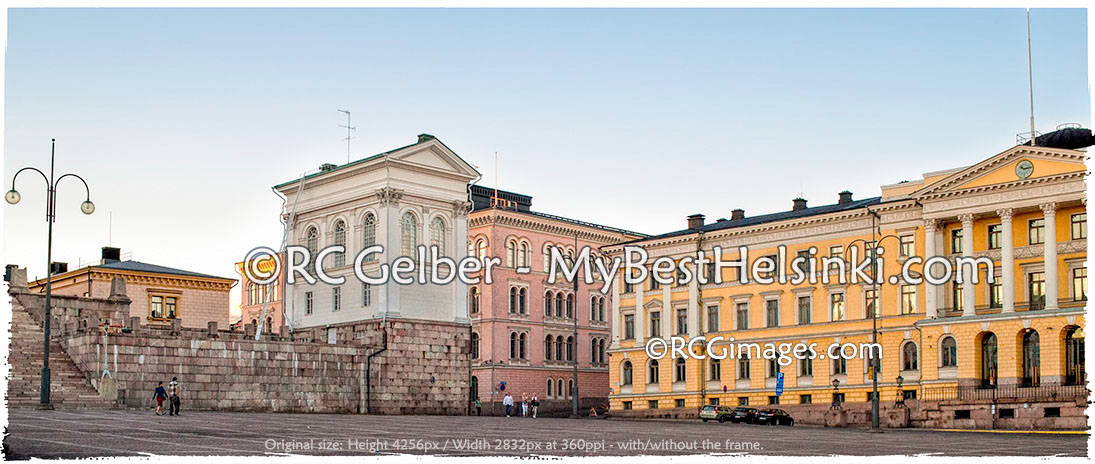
point(1022, 208)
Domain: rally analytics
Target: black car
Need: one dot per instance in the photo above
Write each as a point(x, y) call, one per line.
point(740, 414)
point(774, 417)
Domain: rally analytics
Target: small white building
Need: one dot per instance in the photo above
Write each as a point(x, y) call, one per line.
point(410, 196)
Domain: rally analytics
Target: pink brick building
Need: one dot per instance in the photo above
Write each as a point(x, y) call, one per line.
point(254, 295)
point(522, 325)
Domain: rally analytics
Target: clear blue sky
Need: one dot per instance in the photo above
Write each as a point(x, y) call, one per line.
point(182, 120)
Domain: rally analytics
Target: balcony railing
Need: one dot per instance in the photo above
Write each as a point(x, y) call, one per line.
point(1004, 392)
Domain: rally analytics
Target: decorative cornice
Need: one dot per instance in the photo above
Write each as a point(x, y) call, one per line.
point(498, 217)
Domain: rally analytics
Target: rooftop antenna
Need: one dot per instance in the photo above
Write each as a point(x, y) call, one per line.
point(495, 200)
point(1030, 78)
point(348, 128)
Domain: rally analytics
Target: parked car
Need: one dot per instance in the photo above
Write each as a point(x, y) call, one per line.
point(715, 412)
point(774, 417)
point(743, 414)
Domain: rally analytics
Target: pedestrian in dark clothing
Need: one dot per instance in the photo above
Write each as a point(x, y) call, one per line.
point(173, 390)
point(478, 407)
point(159, 395)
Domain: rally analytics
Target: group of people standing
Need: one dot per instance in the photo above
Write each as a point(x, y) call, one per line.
point(171, 393)
point(525, 404)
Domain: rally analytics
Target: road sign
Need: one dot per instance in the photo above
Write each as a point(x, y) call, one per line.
point(779, 384)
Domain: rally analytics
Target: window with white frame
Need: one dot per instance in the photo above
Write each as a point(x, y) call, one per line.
point(368, 230)
point(409, 235)
point(340, 240)
point(836, 306)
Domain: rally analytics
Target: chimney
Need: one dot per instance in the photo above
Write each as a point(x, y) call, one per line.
point(695, 221)
point(844, 198)
point(425, 138)
point(798, 204)
point(327, 167)
point(111, 255)
point(58, 268)
point(737, 214)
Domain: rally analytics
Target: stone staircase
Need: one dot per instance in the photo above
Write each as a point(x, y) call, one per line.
point(69, 388)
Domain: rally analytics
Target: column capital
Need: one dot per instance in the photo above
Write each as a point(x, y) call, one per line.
point(1049, 209)
point(967, 219)
point(1005, 213)
point(930, 225)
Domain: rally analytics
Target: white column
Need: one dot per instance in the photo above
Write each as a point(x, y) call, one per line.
point(458, 250)
point(694, 304)
point(1050, 224)
point(617, 320)
point(969, 291)
point(931, 309)
point(640, 313)
point(1007, 260)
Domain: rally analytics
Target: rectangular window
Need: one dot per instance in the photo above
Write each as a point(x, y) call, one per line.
point(870, 301)
point(956, 241)
point(156, 307)
point(908, 245)
point(1079, 226)
point(627, 405)
point(712, 319)
point(956, 296)
point(743, 316)
point(961, 413)
point(996, 294)
point(307, 302)
point(652, 404)
point(655, 324)
point(682, 321)
point(771, 309)
point(994, 236)
point(1007, 413)
point(804, 310)
point(367, 296)
point(629, 327)
point(840, 366)
point(773, 399)
point(1079, 284)
point(806, 399)
point(679, 403)
point(804, 264)
point(716, 370)
point(336, 298)
point(908, 299)
point(1036, 231)
point(773, 368)
point(836, 251)
point(743, 368)
point(713, 401)
point(169, 307)
point(836, 306)
point(743, 401)
point(1037, 290)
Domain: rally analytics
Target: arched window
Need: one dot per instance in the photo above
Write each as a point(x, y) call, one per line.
point(559, 348)
point(559, 388)
point(652, 371)
point(481, 249)
point(368, 231)
point(513, 300)
point(949, 350)
point(511, 250)
point(1032, 365)
point(625, 373)
point(474, 345)
point(311, 241)
point(601, 309)
point(269, 323)
point(522, 303)
point(474, 387)
point(604, 353)
point(438, 234)
point(570, 305)
point(570, 388)
point(474, 300)
point(524, 345)
point(548, 340)
point(547, 303)
point(250, 293)
point(550, 387)
point(547, 257)
point(593, 351)
point(680, 370)
point(988, 360)
point(523, 255)
point(254, 322)
point(513, 345)
point(1074, 356)
point(908, 357)
point(570, 348)
point(409, 235)
point(340, 239)
point(559, 304)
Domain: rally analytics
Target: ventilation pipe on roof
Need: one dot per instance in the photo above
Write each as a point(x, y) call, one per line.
point(844, 198)
point(695, 221)
point(798, 204)
point(737, 214)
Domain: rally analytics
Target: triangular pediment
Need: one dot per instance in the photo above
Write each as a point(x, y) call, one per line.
point(655, 303)
point(1017, 165)
point(432, 154)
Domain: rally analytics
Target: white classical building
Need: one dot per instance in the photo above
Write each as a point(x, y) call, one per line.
point(410, 196)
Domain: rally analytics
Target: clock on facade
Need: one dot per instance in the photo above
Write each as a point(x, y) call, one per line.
point(1024, 169)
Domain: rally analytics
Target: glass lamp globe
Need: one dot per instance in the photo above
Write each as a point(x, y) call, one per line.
point(12, 196)
point(87, 207)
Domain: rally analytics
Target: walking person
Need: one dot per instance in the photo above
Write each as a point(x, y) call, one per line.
point(535, 405)
point(173, 390)
point(508, 403)
point(478, 407)
point(159, 395)
point(524, 405)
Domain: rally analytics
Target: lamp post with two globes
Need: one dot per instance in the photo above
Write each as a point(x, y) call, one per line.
point(12, 197)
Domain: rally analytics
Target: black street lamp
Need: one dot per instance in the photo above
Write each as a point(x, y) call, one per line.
point(12, 197)
point(836, 399)
point(900, 393)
